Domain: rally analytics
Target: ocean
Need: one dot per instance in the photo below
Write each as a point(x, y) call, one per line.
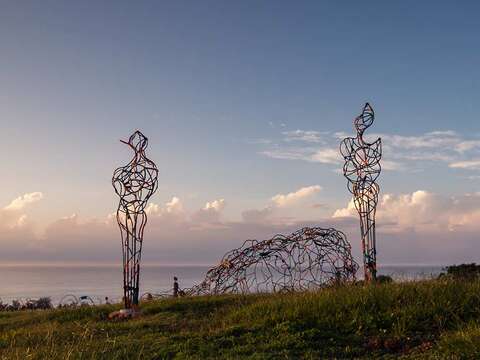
point(22, 282)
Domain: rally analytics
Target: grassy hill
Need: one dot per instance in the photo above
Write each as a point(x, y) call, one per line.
point(431, 319)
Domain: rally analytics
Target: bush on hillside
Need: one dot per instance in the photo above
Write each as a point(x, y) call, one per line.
point(383, 279)
point(463, 271)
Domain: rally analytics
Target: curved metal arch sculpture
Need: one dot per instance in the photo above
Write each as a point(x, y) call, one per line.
point(307, 259)
point(68, 300)
point(362, 168)
point(134, 183)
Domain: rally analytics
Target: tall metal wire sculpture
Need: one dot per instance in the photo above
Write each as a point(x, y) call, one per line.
point(362, 168)
point(134, 183)
point(307, 259)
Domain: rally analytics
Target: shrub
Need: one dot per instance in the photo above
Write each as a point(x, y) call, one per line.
point(383, 279)
point(464, 271)
point(44, 303)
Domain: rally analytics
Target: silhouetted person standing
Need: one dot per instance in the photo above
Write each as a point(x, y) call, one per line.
point(175, 286)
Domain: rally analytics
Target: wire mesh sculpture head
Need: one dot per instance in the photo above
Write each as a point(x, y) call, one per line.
point(365, 119)
point(362, 168)
point(134, 183)
point(307, 259)
point(137, 141)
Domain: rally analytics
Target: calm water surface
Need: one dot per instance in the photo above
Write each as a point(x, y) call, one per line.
point(33, 281)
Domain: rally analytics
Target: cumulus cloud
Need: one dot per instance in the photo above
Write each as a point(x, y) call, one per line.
point(174, 206)
point(419, 207)
point(276, 212)
point(414, 227)
point(423, 211)
point(282, 200)
point(22, 201)
point(210, 213)
point(420, 226)
point(348, 211)
point(18, 235)
point(13, 215)
point(174, 233)
point(216, 205)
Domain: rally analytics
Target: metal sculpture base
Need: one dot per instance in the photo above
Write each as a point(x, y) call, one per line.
point(124, 314)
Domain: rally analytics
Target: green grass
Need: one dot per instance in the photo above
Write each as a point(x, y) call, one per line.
point(431, 319)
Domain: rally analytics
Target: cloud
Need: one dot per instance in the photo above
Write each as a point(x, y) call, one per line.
point(288, 154)
point(322, 155)
point(22, 201)
point(467, 145)
point(283, 206)
point(18, 235)
point(348, 211)
point(400, 152)
point(305, 136)
point(420, 210)
point(216, 205)
point(13, 215)
point(392, 165)
point(173, 233)
point(467, 164)
point(282, 200)
point(174, 207)
point(420, 226)
point(258, 141)
point(432, 139)
point(327, 156)
point(403, 210)
point(210, 213)
point(257, 216)
point(423, 211)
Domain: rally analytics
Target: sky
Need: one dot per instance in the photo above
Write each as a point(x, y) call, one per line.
point(244, 104)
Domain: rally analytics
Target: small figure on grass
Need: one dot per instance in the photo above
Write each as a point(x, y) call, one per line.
point(175, 286)
point(176, 289)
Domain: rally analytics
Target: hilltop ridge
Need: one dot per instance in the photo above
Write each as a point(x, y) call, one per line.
point(427, 319)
